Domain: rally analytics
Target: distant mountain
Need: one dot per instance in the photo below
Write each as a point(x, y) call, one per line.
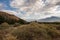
point(50, 19)
point(9, 18)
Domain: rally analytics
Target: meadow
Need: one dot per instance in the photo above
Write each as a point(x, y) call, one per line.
point(30, 31)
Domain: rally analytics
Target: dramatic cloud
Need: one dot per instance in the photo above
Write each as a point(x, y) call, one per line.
point(36, 9)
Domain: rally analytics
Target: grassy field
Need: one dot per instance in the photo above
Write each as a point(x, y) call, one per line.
point(30, 31)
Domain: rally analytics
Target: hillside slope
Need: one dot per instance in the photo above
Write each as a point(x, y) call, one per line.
point(9, 18)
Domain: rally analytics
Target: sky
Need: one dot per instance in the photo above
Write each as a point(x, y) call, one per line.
point(5, 5)
point(31, 9)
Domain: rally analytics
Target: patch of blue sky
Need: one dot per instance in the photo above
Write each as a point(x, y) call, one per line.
point(7, 5)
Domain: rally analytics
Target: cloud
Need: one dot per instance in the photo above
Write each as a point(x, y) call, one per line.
point(36, 9)
point(9, 12)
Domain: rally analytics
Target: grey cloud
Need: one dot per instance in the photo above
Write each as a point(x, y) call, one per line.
point(29, 2)
point(58, 3)
point(49, 5)
point(40, 7)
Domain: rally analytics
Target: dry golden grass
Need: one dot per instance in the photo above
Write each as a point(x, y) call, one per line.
point(35, 31)
point(32, 31)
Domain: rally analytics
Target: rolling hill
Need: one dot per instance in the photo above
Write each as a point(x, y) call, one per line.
point(50, 19)
point(9, 18)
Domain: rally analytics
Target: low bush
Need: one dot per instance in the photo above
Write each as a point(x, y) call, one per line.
point(35, 31)
point(4, 25)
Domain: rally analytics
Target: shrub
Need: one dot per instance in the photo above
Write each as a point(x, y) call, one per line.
point(4, 25)
point(10, 37)
point(32, 31)
point(35, 31)
point(16, 24)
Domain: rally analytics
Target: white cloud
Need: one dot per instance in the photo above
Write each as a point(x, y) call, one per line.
point(9, 12)
point(36, 9)
point(17, 3)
